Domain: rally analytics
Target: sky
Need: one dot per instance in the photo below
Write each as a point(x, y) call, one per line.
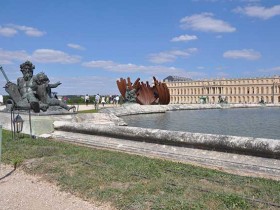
point(88, 45)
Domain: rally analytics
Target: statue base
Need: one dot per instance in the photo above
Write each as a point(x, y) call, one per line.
point(41, 123)
point(52, 110)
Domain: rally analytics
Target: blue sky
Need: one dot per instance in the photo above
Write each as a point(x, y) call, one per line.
point(89, 44)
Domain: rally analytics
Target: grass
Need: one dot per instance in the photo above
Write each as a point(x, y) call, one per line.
point(136, 182)
point(89, 111)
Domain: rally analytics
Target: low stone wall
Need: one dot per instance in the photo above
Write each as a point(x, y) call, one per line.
point(133, 109)
point(247, 145)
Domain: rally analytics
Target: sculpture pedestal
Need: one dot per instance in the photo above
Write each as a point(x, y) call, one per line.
point(39, 124)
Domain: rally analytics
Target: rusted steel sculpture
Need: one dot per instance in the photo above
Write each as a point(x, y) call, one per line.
point(143, 93)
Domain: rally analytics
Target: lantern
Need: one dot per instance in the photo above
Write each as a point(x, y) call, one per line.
point(18, 123)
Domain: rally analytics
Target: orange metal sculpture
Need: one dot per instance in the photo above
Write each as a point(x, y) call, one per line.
point(144, 93)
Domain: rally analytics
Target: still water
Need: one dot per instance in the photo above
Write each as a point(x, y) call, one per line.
point(251, 122)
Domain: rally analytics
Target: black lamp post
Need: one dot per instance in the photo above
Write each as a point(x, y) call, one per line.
point(18, 124)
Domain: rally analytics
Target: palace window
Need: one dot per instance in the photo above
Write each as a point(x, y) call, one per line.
point(266, 90)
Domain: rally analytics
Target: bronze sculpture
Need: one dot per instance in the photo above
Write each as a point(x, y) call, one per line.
point(33, 92)
point(143, 93)
point(43, 90)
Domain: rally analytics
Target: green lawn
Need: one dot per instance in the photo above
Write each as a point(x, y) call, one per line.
point(88, 111)
point(136, 182)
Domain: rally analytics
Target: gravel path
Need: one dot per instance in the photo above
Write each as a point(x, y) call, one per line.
point(19, 190)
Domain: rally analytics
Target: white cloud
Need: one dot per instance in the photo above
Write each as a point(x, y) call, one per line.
point(8, 32)
point(103, 64)
point(170, 56)
point(259, 12)
point(7, 57)
point(274, 69)
point(132, 68)
point(162, 57)
point(102, 85)
point(184, 38)
point(75, 46)
point(29, 31)
point(12, 29)
point(40, 55)
point(205, 22)
point(53, 56)
point(247, 54)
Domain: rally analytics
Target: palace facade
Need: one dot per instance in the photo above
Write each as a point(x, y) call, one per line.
point(246, 90)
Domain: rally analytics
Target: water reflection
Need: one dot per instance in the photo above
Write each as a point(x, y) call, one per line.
point(255, 122)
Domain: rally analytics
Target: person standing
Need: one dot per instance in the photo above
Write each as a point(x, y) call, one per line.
point(87, 99)
point(103, 101)
point(96, 101)
point(1, 100)
point(117, 100)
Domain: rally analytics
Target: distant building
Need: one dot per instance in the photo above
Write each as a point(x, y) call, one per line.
point(176, 78)
point(244, 90)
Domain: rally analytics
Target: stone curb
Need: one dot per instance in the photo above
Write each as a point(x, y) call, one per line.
point(134, 109)
point(245, 145)
point(227, 162)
